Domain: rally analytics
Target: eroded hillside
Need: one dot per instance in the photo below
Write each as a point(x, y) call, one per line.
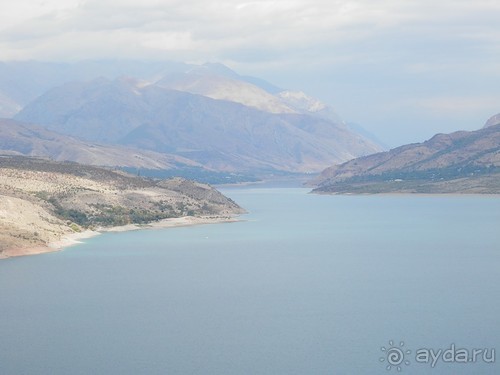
point(41, 201)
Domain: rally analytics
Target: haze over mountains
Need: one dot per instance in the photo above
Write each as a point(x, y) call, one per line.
point(207, 116)
point(183, 117)
point(219, 134)
point(23, 81)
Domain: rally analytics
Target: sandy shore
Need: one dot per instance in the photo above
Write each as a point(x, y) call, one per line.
point(76, 238)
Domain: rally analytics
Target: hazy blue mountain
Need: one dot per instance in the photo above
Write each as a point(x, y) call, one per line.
point(234, 123)
point(220, 134)
point(217, 81)
point(23, 81)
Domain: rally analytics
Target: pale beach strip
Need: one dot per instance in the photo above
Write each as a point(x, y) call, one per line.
point(78, 237)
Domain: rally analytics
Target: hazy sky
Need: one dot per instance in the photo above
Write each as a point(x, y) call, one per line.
point(403, 69)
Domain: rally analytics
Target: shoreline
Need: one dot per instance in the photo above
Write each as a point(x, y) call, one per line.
point(76, 238)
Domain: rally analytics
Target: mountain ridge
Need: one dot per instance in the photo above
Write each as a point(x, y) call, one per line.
point(460, 162)
point(23, 81)
point(18, 138)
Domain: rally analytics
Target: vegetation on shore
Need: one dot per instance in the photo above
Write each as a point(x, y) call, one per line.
point(461, 162)
point(60, 198)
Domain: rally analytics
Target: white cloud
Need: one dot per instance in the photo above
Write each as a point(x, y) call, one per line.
point(168, 41)
point(22, 11)
point(374, 52)
point(223, 28)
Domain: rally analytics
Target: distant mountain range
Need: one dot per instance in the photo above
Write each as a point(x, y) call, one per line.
point(208, 122)
point(460, 162)
point(206, 115)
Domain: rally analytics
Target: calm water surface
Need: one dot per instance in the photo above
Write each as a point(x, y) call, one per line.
point(307, 284)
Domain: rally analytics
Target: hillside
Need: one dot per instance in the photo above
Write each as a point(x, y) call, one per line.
point(219, 134)
point(42, 201)
point(460, 162)
point(17, 138)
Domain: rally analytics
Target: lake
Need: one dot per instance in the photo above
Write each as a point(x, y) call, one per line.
point(304, 284)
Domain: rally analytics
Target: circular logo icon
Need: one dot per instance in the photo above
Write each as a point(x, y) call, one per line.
point(395, 356)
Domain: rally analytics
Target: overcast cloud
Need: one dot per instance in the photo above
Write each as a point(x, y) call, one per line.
point(403, 69)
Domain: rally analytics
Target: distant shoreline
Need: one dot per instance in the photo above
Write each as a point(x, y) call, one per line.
point(76, 238)
point(407, 193)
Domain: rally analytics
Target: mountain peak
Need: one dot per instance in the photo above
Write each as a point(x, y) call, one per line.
point(221, 69)
point(204, 81)
point(493, 120)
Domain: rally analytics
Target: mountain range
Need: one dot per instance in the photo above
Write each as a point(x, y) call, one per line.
point(206, 114)
point(169, 119)
point(17, 138)
point(460, 162)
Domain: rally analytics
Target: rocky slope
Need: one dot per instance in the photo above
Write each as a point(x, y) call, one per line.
point(41, 201)
point(460, 162)
point(205, 82)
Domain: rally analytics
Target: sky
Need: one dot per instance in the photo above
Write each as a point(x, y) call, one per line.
point(402, 69)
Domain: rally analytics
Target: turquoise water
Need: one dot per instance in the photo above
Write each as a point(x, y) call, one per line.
point(307, 284)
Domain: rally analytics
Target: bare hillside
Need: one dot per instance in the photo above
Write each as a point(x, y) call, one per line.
point(460, 162)
point(40, 201)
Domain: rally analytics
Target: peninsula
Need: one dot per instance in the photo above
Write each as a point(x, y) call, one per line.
point(46, 205)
